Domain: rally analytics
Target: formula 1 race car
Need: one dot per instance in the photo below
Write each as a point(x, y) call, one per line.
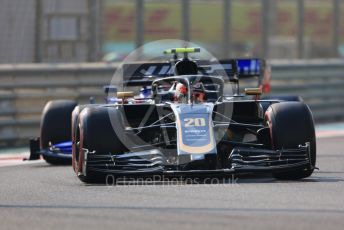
point(55, 144)
point(195, 123)
point(55, 141)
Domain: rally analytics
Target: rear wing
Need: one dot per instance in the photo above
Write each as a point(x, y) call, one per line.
point(140, 74)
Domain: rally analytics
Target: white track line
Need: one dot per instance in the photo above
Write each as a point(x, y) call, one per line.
point(4, 163)
point(11, 159)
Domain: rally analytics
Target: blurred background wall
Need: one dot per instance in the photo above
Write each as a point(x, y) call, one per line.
point(62, 37)
point(17, 31)
point(86, 30)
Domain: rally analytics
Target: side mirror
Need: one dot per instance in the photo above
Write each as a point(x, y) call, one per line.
point(253, 91)
point(125, 94)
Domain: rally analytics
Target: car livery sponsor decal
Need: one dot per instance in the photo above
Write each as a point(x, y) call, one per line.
point(141, 71)
point(194, 129)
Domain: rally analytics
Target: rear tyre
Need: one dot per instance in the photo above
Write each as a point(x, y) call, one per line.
point(56, 126)
point(96, 133)
point(291, 124)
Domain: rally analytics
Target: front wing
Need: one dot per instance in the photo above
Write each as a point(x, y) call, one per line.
point(242, 160)
point(62, 151)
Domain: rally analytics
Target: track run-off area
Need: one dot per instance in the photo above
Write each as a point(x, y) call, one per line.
point(35, 195)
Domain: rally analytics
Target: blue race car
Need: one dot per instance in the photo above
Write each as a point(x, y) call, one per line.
point(55, 141)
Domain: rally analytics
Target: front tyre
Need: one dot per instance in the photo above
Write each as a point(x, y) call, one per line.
point(96, 134)
point(76, 132)
point(291, 124)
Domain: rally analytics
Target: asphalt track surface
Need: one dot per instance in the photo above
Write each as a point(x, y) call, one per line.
point(40, 196)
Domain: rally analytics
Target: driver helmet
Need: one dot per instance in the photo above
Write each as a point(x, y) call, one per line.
point(181, 92)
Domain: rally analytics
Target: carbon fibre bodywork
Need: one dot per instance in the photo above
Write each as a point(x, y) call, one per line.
point(215, 146)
